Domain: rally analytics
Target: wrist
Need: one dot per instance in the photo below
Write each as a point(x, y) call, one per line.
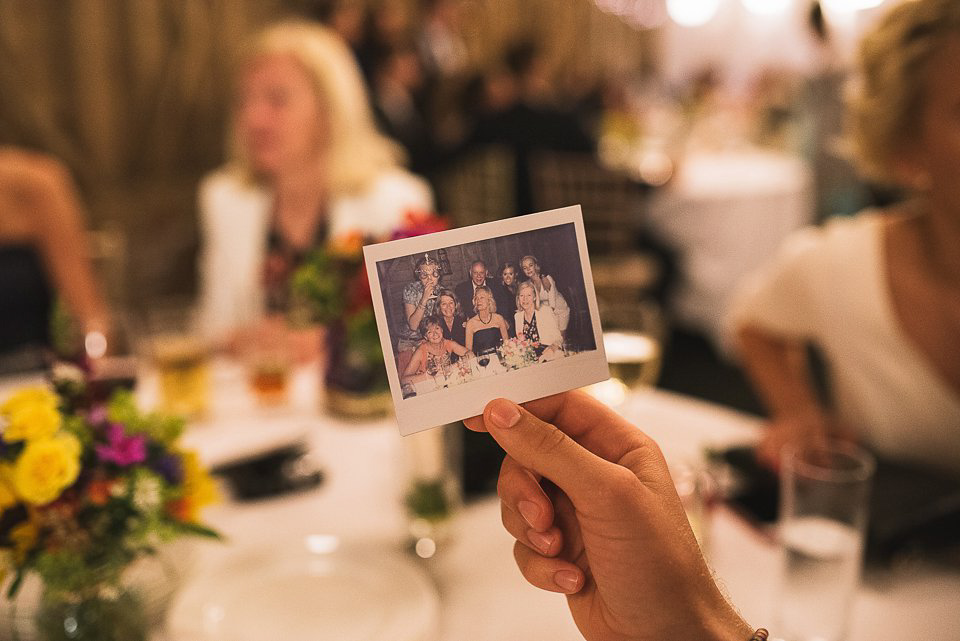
point(720, 621)
point(729, 626)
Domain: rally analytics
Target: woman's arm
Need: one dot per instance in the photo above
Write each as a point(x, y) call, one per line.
point(414, 314)
point(413, 367)
point(43, 191)
point(779, 369)
point(469, 335)
point(416, 310)
point(554, 298)
point(455, 347)
point(504, 332)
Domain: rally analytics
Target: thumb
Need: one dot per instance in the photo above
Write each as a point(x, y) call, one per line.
point(546, 450)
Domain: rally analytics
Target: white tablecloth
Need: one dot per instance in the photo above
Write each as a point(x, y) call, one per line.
point(482, 595)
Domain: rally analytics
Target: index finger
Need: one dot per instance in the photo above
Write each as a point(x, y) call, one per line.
point(591, 424)
point(588, 422)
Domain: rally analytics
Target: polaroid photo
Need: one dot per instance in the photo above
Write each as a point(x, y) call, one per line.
point(501, 309)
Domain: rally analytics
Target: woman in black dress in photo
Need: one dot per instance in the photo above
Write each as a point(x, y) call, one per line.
point(454, 322)
point(508, 279)
point(487, 330)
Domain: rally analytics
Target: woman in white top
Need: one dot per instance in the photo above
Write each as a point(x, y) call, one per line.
point(879, 294)
point(307, 167)
point(547, 292)
point(538, 328)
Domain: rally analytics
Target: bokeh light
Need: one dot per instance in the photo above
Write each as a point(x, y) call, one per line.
point(692, 13)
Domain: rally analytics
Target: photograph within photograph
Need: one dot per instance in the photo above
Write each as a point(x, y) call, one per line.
point(462, 313)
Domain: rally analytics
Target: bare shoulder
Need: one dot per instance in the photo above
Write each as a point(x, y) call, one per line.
point(22, 169)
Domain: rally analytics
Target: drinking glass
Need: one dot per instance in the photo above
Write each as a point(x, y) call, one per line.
point(632, 340)
point(269, 360)
point(433, 494)
point(181, 356)
point(824, 494)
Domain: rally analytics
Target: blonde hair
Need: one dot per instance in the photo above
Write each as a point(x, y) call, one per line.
point(486, 291)
point(356, 151)
point(886, 101)
point(528, 285)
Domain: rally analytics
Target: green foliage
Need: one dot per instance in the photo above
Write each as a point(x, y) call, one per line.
point(362, 336)
point(427, 499)
point(318, 286)
point(158, 427)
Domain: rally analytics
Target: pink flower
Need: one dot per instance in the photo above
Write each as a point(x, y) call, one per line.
point(122, 449)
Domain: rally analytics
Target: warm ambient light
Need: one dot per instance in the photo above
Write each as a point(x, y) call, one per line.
point(849, 6)
point(641, 14)
point(767, 7)
point(692, 13)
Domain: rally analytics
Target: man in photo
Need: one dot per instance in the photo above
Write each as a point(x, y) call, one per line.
point(478, 277)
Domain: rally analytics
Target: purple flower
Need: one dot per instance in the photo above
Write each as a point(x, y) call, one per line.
point(170, 467)
point(122, 449)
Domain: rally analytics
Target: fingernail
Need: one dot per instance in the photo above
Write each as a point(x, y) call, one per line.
point(505, 414)
point(529, 511)
point(541, 541)
point(567, 580)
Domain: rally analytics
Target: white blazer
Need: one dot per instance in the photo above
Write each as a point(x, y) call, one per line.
point(546, 326)
point(234, 224)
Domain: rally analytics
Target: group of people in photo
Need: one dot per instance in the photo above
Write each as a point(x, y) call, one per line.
point(478, 315)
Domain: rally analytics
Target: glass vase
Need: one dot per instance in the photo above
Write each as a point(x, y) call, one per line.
point(113, 604)
point(355, 382)
point(433, 492)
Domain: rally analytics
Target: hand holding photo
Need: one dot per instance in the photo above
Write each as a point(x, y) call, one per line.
point(502, 309)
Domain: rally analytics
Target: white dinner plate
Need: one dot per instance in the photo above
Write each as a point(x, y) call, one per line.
point(344, 595)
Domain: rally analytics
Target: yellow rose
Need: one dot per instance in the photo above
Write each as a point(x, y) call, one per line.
point(199, 488)
point(29, 396)
point(32, 423)
point(31, 414)
point(46, 467)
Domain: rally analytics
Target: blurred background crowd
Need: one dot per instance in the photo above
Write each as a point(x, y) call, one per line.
point(695, 133)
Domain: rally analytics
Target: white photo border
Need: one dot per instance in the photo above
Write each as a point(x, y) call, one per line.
point(419, 413)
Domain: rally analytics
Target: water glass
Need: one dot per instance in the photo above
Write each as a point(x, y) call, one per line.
point(824, 496)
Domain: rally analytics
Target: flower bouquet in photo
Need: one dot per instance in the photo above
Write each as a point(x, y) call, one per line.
point(518, 352)
point(331, 289)
point(87, 490)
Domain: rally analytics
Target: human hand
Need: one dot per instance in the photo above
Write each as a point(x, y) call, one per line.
point(429, 286)
point(608, 530)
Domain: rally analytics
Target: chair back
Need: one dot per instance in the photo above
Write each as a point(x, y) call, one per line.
point(479, 187)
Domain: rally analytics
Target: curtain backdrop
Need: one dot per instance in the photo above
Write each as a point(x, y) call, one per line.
point(133, 96)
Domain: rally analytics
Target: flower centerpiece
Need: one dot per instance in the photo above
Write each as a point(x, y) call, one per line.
point(518, 352)
point(331, 289)
point(86, 489)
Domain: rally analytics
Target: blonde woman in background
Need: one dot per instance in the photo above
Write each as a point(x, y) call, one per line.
point(307, 166)
point(878, 293)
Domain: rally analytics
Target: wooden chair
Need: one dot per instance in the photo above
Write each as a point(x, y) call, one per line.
point(613, 206)
point(479, 187)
